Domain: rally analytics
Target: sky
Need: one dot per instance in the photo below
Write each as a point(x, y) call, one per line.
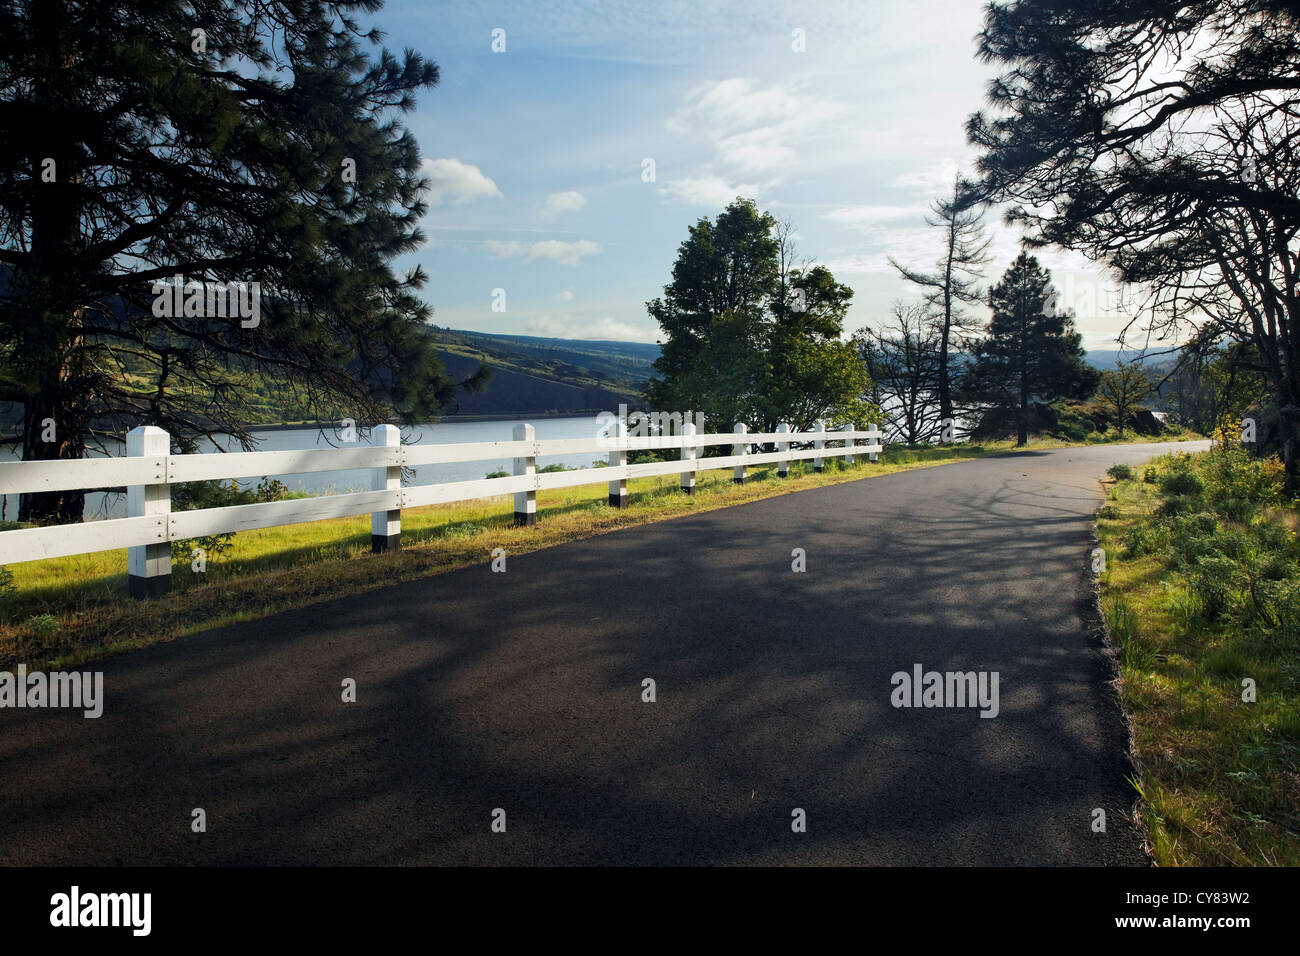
point(846, 118)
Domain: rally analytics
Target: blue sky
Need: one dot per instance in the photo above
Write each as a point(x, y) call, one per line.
point(536, 153)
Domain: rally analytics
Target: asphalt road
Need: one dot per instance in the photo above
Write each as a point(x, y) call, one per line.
point(522, 691)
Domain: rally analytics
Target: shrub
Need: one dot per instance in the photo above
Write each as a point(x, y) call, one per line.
point(1143, 539)
point(1120, 472)
point(6, 580)
point(43, 625)
point(1275, 537)
point(497, 474)
point(1276, 567)
point(1236, 543)
point(271, 489)
point(1237, 509)
point(1073, 431)
point(1218, 582)
point(1235, 473)
point(196, 495)
point(1149, 474)
point(1189, 538)
point(1179, 504)
point(1181, 483)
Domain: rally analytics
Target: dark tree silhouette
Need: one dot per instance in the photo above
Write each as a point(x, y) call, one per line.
point(1160, 139)
point(224, 141)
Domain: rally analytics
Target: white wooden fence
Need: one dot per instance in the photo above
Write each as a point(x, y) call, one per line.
point(148, 470)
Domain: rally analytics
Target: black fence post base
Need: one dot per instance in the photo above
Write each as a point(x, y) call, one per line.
point(156, 586)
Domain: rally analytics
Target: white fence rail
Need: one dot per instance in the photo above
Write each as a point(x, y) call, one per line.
point(148, 471)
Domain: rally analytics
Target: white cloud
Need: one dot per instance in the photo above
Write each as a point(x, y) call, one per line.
point(565, 296)
point(869, 218)
point(556, 250)
point(553, 250)
point(452, 181)
point(570, 201)
point(712, 191)
point(929, 179)
point(858, 265)
point(610, 328)
point(606, 328)
point(761, 130)
point(885, 230)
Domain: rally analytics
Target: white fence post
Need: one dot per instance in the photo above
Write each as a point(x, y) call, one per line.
point(741, 472)
point(688, 455)
point(149, 566)
point(148, 470)
point(525, 501)
point(386, 526)
point(618, 459)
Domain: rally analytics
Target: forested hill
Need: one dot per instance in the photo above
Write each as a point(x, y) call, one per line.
point(530, 375)
point(534, 374)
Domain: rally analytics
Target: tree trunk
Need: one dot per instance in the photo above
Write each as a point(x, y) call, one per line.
point(945, 390)
point(1023, 438)
point(51, 433)
point(1287, 420)
point(55, 407)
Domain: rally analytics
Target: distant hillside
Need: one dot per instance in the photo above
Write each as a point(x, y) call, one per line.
point(533, 374)
point(536, 374)
point(1110, 358)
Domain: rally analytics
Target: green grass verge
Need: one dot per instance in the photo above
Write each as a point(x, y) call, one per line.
point(1201, 594)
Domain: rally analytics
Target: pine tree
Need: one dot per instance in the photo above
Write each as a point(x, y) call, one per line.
point(225, 141)
point(1031, 350)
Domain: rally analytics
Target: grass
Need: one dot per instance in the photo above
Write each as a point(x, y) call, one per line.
point(66, 611)
point(1199, 599)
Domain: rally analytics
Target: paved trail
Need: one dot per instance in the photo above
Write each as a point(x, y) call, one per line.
point(522, 691)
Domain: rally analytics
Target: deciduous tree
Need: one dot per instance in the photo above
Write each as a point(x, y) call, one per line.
point(749, 335)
